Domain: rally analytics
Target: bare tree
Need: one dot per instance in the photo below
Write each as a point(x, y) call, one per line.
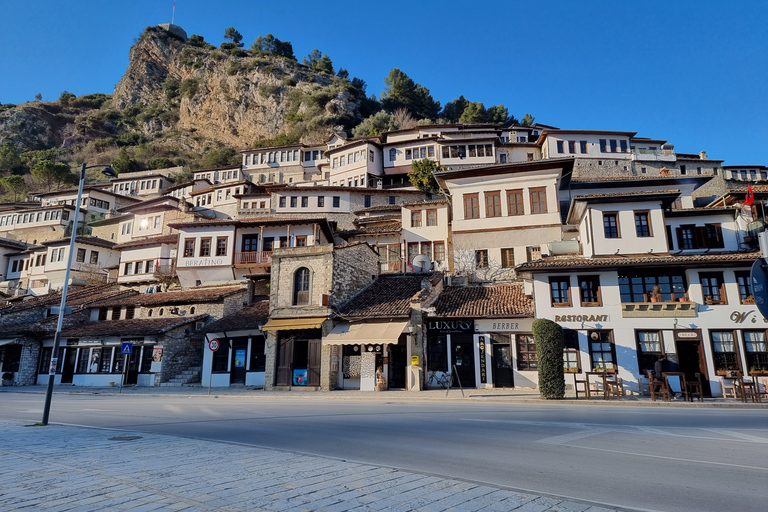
point(477, 267)
point(403, 119)
point(166, 275)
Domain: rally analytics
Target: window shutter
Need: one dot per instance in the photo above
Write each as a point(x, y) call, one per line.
point(702, 237)
point(680, 242)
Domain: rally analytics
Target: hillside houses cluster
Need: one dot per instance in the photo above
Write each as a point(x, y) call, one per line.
point(323, 267)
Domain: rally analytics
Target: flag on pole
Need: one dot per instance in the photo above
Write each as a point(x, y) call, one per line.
point(750, 196)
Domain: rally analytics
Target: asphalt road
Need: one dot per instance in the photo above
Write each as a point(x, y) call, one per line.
point(636, 457)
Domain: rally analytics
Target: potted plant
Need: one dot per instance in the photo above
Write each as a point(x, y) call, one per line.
point(656, 294)
point(7, 378)
point(749, 300)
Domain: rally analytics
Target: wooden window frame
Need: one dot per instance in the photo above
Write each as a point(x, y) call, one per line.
point(301, 296)
point(481, 258)
point(723, 300)
point(571, 349)
point(507, 257)
point(745, 290)
point(435, 245)
point(650, 356)
point(757, 360)
point(612, 343)
point(432, 217)
point(203, 241)
point(471, 206)
point(219, 250)
point(535, 204)
point(615, 215)
point(493, 204)
point(525, 345)
point(415, 218)
point(598, 292)
point(647, 215)
point(560, 279)
point(718, 364)
point(79, 255)
point(301, 241)
point(560, 146)
point(512, 196)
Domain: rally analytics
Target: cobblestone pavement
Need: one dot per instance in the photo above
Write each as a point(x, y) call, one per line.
point(58, 468)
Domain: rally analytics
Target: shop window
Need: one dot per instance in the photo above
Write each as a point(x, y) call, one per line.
point(258, 355)
point(713, 287)
point(755, 350)
point(745, 292)
point(571, 354)
point(221, 358)
point(437, 354)
point(649, 348)
point(560, 291)
point(602, 351)
point(589, 287)
point(724, 353)
point(146, 358)
point(301, 287)
point(526, 352)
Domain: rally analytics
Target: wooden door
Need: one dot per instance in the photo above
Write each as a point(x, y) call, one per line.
point(284, 361)
point(313, 362)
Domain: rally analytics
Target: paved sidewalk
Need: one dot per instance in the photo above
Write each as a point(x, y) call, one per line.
point(516, 395)
point(60, 468)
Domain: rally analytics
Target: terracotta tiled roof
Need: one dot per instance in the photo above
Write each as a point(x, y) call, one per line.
point(746, 257)
point(82, 297)
point(245, 319)
point(379, 218)
point(388, 296)
point(380, 208)
point(191, 296)
point(386, 227)
point(152, 240)
point(132, 327)
point(498, 301)
point(426, 202)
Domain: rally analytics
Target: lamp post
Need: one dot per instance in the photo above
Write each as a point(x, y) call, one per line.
point(108, 171)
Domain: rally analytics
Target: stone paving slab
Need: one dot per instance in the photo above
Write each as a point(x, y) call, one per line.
point(65, 468)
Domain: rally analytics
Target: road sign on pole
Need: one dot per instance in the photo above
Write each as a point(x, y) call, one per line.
point(213, 345)
point(758, 282)
point(127, 348)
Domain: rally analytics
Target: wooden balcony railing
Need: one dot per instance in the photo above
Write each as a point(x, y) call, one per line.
point(244, 258)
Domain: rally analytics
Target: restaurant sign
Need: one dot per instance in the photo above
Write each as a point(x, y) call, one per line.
point(581, 318)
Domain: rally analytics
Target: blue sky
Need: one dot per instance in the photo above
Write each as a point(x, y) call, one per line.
point(689, 71)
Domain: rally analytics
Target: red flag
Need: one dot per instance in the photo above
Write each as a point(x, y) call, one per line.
point(750, 195)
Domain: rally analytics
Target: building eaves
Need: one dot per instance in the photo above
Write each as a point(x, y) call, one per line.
point(633, 260)
point(389, 296)
point(192, 296)
point(149, 241)
point(495, 301)
point(132, 327)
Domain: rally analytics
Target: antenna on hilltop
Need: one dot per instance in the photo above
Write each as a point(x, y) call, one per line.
point(173, 15)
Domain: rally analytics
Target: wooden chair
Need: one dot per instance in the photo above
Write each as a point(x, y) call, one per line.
point(657, 387)
point(747, 390)
point(583, 381)
point(683, 385)
point(729, 388)
point(614, 387)
point(696, 388)
point(764, 383)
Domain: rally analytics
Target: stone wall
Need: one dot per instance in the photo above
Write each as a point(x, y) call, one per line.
point(595, 168)
point(37, 235)
point(285, 262)
point(354, 268)
point(30, 357)
point(180, 351)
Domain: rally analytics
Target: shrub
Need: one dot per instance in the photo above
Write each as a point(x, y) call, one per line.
point(549, 351)
point(189, 87)
point(89, 100)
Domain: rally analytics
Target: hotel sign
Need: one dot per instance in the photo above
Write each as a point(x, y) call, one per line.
point(204, 262)
point(450, 326)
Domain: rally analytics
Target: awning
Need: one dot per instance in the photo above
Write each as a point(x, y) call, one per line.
point(361, 333)
point(7, 342)
point(282, 324)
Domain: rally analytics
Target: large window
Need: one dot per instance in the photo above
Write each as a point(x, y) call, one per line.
point(301, 287)
point(258, 355)
point(221, 358)
point(515, 202)
point(638, 287)
point(649, 348)
point(708, 236)
point(571, 354)
point(538, 198)
point(493, 204)
point(526, 352)
point(713, 287)
point(642, 224)
point(611, 225)
point(589, 287)
point(437, 354)
point(755, 350)
point(602, 351)
point(560, 291)
point(724, 352)
point(471, 206)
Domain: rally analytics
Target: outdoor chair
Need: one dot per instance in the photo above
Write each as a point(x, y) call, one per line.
point(729, 388)
point(678, 379)
point(695, 387)
point(614, 387)
point(657, 387)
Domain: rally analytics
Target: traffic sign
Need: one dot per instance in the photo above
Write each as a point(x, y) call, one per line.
point(213, 345)
point(127, 348)
point(758, 281)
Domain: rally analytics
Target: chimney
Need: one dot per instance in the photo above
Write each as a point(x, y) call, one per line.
point(702, 155)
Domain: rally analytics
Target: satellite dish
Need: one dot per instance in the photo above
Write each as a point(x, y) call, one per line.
point(422, 263)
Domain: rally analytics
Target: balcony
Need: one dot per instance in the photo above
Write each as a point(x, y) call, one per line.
point(672, 309)
point(248, 213)
point(253, 258)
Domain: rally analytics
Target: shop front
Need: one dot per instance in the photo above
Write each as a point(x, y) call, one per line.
point(453, 347)
point(299, 351)
point(238, 359)
point(373, 356)
point(507, 349)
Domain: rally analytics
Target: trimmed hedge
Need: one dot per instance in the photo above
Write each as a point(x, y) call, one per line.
point(549, 351)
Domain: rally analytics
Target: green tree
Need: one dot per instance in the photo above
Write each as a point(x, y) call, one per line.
point(549, 352)
point(400, 91)
point(53, 175)
point(343, 74)
point(325, 64)
point(124, 162)
point(453, 109)
point(474, 113)
point(38, 97)
point(234, 37)
point(10, 161)
point(14, 185)
point(379, 122)
point(66, 98)
point(313, 58)
point(220, 157)
point(527, 120)
point(422, 175)
point(498, 114)
point(273, 46)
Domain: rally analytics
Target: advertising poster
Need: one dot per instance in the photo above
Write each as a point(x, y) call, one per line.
point(239, 358)
point(300, 377)
point(157, 359)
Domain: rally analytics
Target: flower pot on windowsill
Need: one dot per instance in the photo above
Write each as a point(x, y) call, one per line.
point(654, 299)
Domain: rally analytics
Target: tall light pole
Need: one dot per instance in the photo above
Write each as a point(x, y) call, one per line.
point(108, 171)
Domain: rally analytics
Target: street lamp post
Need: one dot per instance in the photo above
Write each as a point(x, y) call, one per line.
point(108, 171)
